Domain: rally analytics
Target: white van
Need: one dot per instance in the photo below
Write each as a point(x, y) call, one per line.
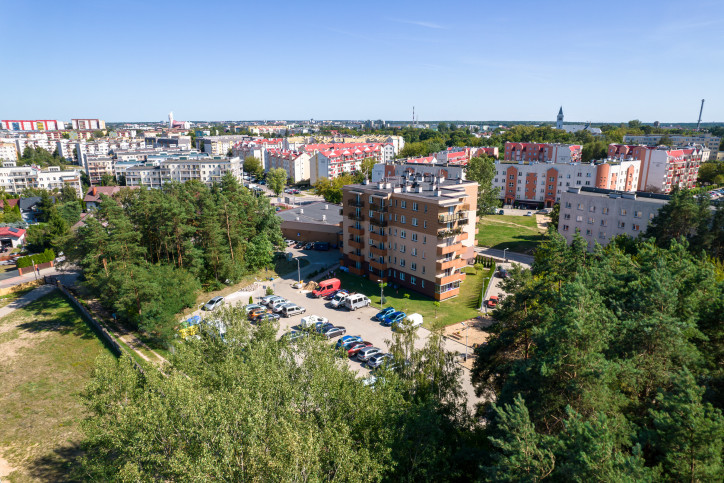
point(355, 301)
point(291, 310)
point(338, 300)
point(412, 321)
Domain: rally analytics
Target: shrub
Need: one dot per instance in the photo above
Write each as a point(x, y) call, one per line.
point(269, 291)
point(47, 256)
point(251, 299)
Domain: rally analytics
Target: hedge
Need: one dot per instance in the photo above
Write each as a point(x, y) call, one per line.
point(47, 256)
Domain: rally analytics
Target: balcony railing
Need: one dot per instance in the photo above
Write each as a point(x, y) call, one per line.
point(356, 231)
point(378, 252)
point(378, 222)
point(354, 244)
point(359, 203)
point(453, 217)
point(449, 233)
point(356, 216)
point(380, 208)
point(377, 237)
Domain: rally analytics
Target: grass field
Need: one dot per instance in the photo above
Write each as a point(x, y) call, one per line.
point(47, 353)
point(463, 307)
point(516, 233)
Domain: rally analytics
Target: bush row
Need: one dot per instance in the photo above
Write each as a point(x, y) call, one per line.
point(47, 256)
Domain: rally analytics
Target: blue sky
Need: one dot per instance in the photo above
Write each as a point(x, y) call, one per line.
point(475, 60)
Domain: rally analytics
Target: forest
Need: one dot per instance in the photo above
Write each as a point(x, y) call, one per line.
point(602, 366)
point(147, 253)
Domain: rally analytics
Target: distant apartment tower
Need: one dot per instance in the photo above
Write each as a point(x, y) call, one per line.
point(219, 145)
point(15, 179)
point(206, 169)
point(535, 184)
point(662, 169)
point(678, 141)
point(601, 215)
point(543, 152)
point(87, 124)
point(417, 233)
point(8, 150)
point(333, 160)
point(295, 163)
point(34, 125)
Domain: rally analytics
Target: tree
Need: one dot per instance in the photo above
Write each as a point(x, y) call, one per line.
point(593, 151)
point(688, 435)
point(366, 168)
point(253, 166)
point(482, 170)
point(684, 216)
point(276, 179)
point(108, 180)
point(555, 215)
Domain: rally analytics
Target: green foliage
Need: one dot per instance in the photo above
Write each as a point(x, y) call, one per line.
point(39, 157)
point(482, 170)
point(11, 214)
point(331, 190)
point(253, 166)
point(148, 252)
point(38, 258)
point(555, 216)
point(276, 179)
point(269, 291)
point(594, 150)
point(711, 172)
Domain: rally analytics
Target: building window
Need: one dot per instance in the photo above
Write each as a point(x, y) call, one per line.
point(413, 280)
point(414, 206)
point(568, 204)
point(588, 232)
point(604, 223)
point(402, 276)
point(413, 251)
point(402, 262)
point(402, 219)
point(590, 220)
point(403, 234)
point(424, 223)
point(651, 216)
point(512, 176)
point(592, 209)
point(414, 222)
point(636, 227)
point(510, 185)
point(604, 211)
point(579, 218)
point(566, 216)
point(638, 214)
point(403, 204)
point(414, 237)
point(402, 248)
point(565, 227)
point(424, 240)
point(580, 206)
point(621, 224)
point(601, 234)
point(422, 282)
point(623, 212)
point(413, 266)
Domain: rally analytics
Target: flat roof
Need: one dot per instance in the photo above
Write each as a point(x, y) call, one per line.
point(313, 213)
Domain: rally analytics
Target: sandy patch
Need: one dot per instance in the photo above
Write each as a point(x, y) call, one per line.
point(5, 468)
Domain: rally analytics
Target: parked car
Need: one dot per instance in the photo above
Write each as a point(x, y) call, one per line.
point(492, 301)
point(356, 301)
point(331, 295)
point(338, 299)
point(289, 242)
point(378, 359)
point(333, 332)
point(214, 303)
point(326, 287)
point(292, 310)
point(309, 246)
point(270, 299)
point(321, 327)
point(392, 318)
point(383, 313)
point(358, 346)
point(348, 339)
point(251, 307)
point(277, 309)
point(310, 320)
point(299, 245)
point(295, 335)
point(412, 321)
point(265, 317)
point(256, 312)
point(321, 246)
point(365, 354)
point(503, 273)
point(530, 213)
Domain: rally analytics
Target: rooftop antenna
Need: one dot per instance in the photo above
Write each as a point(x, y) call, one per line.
point(700, 111)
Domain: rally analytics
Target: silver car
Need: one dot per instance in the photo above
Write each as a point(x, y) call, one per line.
point(214, 303)
point(365, 354)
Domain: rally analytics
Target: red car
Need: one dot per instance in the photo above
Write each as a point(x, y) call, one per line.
point(492, 301)
point(358, 347)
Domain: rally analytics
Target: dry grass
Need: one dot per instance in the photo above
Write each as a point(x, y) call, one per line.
point(47, 353)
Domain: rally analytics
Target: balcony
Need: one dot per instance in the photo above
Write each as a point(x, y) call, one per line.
point(378, 222)
point(358, 203)
point(378, 252)
point(356, 271)
point(356, 231)
point(446, 279)
point(355, 244)
point(451, 263)
point(356, 216)
point(355, 258)
point(453, 217)
point(377, 237)
point(377, 265)
point(379, 208)
point(449, 233)
point(445, 249)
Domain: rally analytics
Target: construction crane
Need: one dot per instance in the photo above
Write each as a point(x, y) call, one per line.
point(700, 111)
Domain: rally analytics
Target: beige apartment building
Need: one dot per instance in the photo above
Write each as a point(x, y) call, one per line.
point(416, 232)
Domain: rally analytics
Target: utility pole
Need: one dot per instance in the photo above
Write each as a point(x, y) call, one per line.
point(700, 111)
point(466, 339)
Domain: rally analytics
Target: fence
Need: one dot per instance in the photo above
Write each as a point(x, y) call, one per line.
point(97, 326)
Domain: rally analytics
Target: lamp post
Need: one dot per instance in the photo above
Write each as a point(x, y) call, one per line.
point(466, 340)
point(299, 273)
point(504, 256)
point(382, 296)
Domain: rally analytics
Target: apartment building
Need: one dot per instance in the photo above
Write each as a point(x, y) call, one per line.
point(454, 156)
point(534, 184)
point(8, 150)
point(34, 125)
point(600, 215)
point(543, 152)
point(88, 124)
point(679, 141)
point(258, 148)
point(413, 167)
point(97, 166)
point(333, 160)
point(268, 129)
point(208, 170)
point(295, 163)
point(662, 169)
point(219, 145)
point(14, 179)
point(416, 232)
point(165, 142)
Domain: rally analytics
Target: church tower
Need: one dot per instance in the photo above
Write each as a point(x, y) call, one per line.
point(559, 120)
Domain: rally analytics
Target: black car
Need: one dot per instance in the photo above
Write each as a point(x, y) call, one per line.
point(309, 246)
point(503, 273)
point(299, 245)
point(321, 246)
point(322, 328)
point(333, 332)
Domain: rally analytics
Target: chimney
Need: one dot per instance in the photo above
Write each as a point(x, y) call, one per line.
point(324, 218)
point(301, 211)
point(326, 207)
point(95, 191)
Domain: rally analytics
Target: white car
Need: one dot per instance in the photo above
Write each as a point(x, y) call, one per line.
point(338, 300)
point(311, 320)
point(276, 303)
point(251, 307)
point(412, 321)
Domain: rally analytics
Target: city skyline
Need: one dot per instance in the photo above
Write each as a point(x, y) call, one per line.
point(452, 62)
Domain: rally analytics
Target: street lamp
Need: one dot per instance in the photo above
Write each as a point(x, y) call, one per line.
point(466, 340)
point(382, 296)
point(504, 256)
point(299, 273)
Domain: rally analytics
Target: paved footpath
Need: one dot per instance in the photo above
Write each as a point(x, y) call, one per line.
point(25, 299)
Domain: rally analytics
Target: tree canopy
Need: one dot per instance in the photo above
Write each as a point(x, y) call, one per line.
point(482, 170)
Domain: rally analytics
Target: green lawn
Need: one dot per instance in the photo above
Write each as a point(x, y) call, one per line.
point(47, 353)
point(451, 311)
point(516, 233)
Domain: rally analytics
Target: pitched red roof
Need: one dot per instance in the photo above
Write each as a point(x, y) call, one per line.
point(13, 202)
point(12, 232)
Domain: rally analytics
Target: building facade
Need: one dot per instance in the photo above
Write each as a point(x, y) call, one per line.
point(333, 160)
point(34, 125)
point(534, 184)
point(295, 163)
point(705, 139)
point(8, 150)
point(88, 124)
point(219, 145)
point(417, 233)
point(543, 152)
point(662, 169)
point(600, 215)
point(14, 179)
point(207, 170)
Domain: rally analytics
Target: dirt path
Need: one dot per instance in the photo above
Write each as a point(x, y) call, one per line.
point(501, 222)
point(25, 299)
point(543, 221)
